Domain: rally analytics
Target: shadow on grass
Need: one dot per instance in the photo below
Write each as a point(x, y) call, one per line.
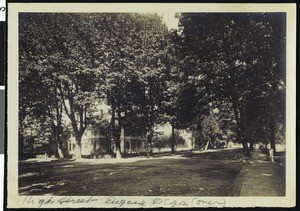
point(203, 174)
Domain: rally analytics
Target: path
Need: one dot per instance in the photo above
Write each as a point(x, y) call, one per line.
point(262, 177)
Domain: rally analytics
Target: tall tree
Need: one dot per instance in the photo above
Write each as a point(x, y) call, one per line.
point(136, 71)
point(228, 58)
point(56, 45)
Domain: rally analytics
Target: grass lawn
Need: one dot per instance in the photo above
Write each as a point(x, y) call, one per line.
point(192, 174)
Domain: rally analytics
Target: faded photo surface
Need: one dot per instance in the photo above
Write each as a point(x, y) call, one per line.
point(168, 106)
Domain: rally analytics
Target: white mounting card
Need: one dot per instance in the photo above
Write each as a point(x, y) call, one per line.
point(2, 10)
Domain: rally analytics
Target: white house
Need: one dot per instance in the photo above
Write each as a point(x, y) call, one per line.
point(95, 144)
point(92, 143)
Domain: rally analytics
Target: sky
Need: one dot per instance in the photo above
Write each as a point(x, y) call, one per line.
point(170, 20)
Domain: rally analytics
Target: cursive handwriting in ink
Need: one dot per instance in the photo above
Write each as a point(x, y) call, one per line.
point(28, 200)
point(169, 202)
point(121, 202)
point(199, 202)
point(41, 202)
point(70, 199)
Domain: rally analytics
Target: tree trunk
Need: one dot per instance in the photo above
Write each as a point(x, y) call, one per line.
point(118, 135)
point(72, 112)
point(60, 152)
point(77, 152)
point(272, 134)
point(118, 149)
point(193, 140)
point(58, 127)
point(121, 148)
point(114, 133)
point(78, 147)
point(149, 141)
point(246, 149)
point(173, 140)
point(251, 146)
point(239, 129)
point(206, 146)
point(112, 125)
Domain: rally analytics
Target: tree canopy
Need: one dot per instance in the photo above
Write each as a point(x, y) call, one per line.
point(220, 75)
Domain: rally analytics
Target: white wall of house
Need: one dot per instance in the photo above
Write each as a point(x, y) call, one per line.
point(163, 130)
point(89, 141)
point(166, 130)
point(71, 145)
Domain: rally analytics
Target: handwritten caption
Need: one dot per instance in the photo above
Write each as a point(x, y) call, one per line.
point(41, 202)
point(34, 201)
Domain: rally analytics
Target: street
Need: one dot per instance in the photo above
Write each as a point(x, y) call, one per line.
point(187, 174)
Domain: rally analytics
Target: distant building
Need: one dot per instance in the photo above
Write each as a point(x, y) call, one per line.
point(93, 143)
point(132, 145)
point(165, 130)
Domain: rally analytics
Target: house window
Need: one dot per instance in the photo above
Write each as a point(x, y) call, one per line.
point(70, 147)
point(95, 132)
point(95, 144)
point(73, 146)
point(127, 145)
point(113, 146)
point(139, 144)
point(133, 145)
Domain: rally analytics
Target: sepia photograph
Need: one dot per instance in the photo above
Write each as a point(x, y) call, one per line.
point(181, 107)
